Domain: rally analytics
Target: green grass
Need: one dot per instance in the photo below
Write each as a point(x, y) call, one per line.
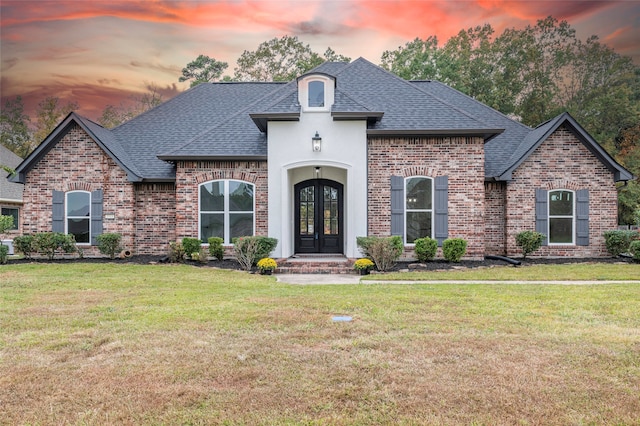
point(565, 272)
point(112, 344)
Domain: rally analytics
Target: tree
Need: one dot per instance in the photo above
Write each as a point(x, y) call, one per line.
point(331, 56)
point(113, 116)
point(417, 60)
point(14, 128)
point(48, 114)
point(534, 74)
point(281, 59)
point(203, 70)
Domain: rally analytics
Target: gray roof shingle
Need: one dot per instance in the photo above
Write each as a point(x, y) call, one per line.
point(228, 120)
point(8, 190)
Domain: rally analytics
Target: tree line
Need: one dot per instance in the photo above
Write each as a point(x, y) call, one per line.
point(530, 74)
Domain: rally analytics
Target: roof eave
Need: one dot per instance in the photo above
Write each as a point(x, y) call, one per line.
point(365, 115)
point(170, 157)
point(261, 119)
point(486, 134)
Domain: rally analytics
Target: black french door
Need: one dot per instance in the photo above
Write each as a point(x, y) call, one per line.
point(318, 217)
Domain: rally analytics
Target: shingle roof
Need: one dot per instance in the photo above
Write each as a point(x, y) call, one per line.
point(9, 191)
point(498, 149)
point(229, 120)
point(184, 118)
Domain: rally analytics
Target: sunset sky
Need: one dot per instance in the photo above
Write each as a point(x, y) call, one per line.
point(102, 52)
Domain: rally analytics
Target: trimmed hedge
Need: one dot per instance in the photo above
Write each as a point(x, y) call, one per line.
point(529, 241)
point(453, 249)
point(426, 249)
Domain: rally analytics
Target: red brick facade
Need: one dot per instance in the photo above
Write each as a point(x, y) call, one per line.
point(190, 174)
point(155, 217)
point(494, 217)
point(76, 162)
point(487, 215)
point(461, 159)
point(561, 162)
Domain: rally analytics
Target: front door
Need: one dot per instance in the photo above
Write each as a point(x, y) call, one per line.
point(318, 216)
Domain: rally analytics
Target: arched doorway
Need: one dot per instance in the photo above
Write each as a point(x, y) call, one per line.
point(319, 216)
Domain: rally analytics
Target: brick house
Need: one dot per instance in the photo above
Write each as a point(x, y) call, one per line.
point(345, 150)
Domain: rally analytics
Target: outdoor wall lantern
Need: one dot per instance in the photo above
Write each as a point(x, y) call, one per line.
point(316, 143)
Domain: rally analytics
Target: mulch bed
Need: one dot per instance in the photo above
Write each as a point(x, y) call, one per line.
point(434, 265)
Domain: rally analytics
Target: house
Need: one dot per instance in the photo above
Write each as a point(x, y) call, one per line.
point(10, 193)
point(345, 150)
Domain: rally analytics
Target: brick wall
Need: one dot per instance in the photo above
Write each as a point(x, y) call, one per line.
point(155, 223)
point(562, 162)
point(76, 162)
point(494, 217)
point(190, 174)
point(459, 158)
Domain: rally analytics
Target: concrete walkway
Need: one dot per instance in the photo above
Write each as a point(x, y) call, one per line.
point(328, 279)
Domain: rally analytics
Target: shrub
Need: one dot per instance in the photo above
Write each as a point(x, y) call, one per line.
point(384, 251)
point(176, 252)
point(6, 223)
point(363, 264)
point(190, 246)
point(266, 264)
point(248, 250)
point(426, 249)
point(634, 249)
point(245, 249)
point(4, 254)
point(48, 243)
point(215, 247)
point(24, 244)
point(618, 241)
point(529, 241)
point(265, 246)
point(109, 244)
point(453, 249)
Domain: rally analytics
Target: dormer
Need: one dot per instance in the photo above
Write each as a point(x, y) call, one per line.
point(316, 92)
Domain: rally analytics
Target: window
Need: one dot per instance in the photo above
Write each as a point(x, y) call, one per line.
point(11, 211)
point(78, 215)
point(316, 94)
point(418, 208)
point(561, 217)
point(226, 210)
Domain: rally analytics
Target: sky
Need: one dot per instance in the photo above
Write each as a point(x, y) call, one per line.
point(100, 53)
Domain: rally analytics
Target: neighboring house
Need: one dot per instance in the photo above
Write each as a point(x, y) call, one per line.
point(10, 193)
point(345, 150)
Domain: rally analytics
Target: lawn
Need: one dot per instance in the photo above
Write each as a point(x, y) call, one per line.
point(164, 344)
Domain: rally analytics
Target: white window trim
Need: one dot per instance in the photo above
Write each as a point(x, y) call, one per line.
point(226, 213)
point(329, 94)
point(573, 217)
point(407, 210)
point(67, 217)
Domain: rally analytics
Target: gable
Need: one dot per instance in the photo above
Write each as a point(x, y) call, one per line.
point(102, 138)
point(541, 133)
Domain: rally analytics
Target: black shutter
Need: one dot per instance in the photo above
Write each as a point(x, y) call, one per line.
point(441, 208)
point(96, 215)
point(57, 215)
point(542, 214)
point(582, 217)
point(397, 206)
